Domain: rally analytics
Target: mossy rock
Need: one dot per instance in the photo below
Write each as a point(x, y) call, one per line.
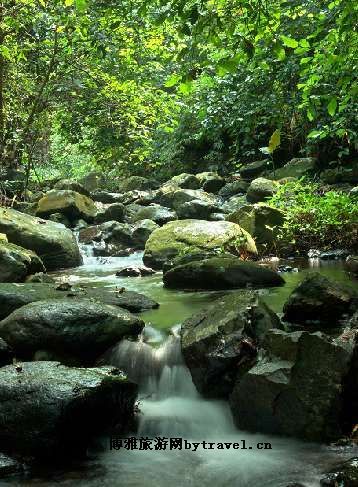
point(193, 236)
point(16, 263)
point(52, 242)
point(69, 203)
point(262, 221)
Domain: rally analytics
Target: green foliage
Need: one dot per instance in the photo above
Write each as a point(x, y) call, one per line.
point(316, 219)
point(172, 85)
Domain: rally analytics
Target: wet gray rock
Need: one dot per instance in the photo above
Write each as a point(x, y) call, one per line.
point(317, 300)
point(158, 214)
point(197, 210)
point(227, 272)
point(141, 232)
point(78, 329)
point(113, 212)
point(220, 342)
point(13, 296)
point(135, 271)
point(238, 187)
point(285, 393)
point(50, 411)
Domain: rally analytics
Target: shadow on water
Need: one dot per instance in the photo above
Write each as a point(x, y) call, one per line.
point(171, 407)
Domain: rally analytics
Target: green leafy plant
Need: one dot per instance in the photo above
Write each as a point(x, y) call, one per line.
point(316, 219)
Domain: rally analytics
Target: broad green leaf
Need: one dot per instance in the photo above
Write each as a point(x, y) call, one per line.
point(275, 141)
point(68, 3)
point(332, 106)
point(173, 80)
point(81, 5)
point(186, 88)
point(279, 51)
point(289, 42)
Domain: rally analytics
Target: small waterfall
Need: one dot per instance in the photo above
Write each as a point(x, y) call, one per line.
point(168, 400)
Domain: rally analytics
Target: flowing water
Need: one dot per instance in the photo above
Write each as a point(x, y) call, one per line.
point(170, 406)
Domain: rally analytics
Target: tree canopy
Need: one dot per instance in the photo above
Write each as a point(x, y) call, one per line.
point(161, 85)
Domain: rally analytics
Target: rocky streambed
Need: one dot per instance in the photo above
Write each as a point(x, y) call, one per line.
point(172, 326)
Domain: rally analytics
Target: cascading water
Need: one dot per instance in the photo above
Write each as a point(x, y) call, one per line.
point(169, 402)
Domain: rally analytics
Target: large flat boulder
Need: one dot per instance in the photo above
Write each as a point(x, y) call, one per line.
point(318, 300)
point(220, 342)
point(193, 236)
point(69, 203)
point(16, 263)
point(77, 331)
point(221, 272)
point(51, 411)
point(52, 242)
point(13, 296)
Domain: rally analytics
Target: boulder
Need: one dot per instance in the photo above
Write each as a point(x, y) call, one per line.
point(40, 277)
point(197, 210)
point(193, 236)
point(134, 183)
point(174, 198)
point(317, 300)
point(233, 204)
point(284, 393)
point(254, 169)
point(113, 212)
point(261, 221)
point(261, 189)
point(50, 411)
point(295, 168)
point(53, 243)
point(240, 186)
point(106, 197)
point(16, 262)
point(219, 272)
point(141, 231)
point(13, 296)
point(210, 182)
point(69, 203)
point(74, 330)
point(158, 214)
point(343, 475)
point(70, 185)
point(134, 271)
point(220, 342)
point(112, 238)
point(185, 181)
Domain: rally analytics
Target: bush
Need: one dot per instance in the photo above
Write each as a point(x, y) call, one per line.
point(316, 219)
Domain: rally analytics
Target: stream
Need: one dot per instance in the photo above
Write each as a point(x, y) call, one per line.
point(171, 407)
